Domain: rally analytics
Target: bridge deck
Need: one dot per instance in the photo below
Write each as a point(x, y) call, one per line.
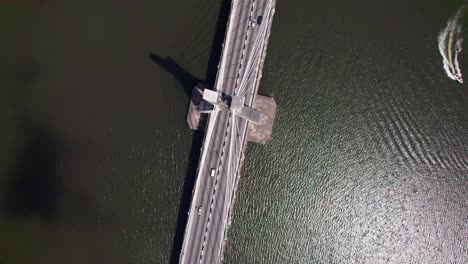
point(239, 73)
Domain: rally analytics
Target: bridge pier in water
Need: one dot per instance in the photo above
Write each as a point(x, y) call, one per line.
point(199, 110)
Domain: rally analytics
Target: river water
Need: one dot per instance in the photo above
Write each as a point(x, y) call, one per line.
point(368, 162)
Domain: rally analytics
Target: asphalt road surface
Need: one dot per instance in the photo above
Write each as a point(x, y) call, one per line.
point(239, 73)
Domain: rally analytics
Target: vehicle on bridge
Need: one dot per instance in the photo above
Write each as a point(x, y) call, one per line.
point(253, 23)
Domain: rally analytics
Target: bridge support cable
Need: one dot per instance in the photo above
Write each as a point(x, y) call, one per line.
point(243, 89)
point(250, 75)
point(233, 165)
point(227, 41)
point(257, 44)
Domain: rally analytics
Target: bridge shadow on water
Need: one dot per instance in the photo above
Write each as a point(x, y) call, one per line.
point(32, 186)
point(185, 78)
point(188, 82)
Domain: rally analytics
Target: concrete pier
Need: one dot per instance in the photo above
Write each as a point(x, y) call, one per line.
point(198, 113)
point(196, 116)
point(262, 133)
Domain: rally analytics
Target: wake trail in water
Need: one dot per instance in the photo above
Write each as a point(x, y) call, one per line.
point(450, 45)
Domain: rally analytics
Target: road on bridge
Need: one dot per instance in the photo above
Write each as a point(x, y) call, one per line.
point(239, 73)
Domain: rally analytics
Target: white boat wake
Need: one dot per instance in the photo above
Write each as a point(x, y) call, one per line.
point(450, 45)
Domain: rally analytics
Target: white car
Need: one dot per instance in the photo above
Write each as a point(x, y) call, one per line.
point(253, 23)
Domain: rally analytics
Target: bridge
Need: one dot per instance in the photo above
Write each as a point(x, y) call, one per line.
point(232, 118)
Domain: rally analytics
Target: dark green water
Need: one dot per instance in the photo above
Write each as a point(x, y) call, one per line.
point(368, 163)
